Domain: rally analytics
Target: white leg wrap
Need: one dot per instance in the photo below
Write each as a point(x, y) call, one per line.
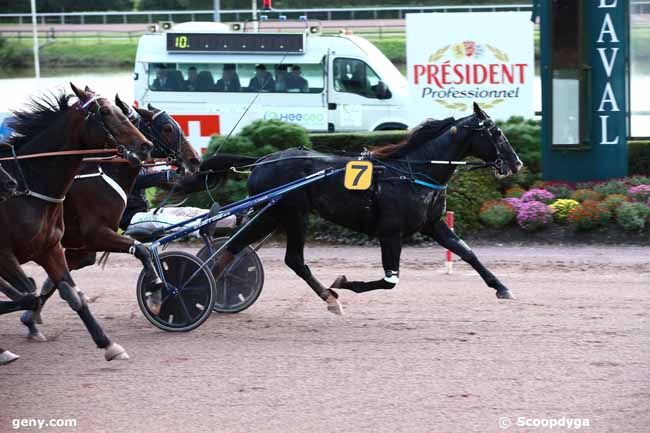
point(392, 277)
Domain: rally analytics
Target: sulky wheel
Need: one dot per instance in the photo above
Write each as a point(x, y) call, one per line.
point(241, 283)
point(187, 298)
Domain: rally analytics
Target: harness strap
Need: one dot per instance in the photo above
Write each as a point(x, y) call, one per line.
point(44, 197)
point(90, 101)
point(429, 185)
point(109, 180)
point(61, 153)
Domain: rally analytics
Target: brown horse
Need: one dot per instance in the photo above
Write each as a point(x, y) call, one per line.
point(8, 185)
point(35, 215)
point(7, 189)
point(97, 199)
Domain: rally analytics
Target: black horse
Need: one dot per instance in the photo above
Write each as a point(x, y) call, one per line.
point(407, 196)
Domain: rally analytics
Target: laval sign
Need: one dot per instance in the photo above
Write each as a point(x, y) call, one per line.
point(460, 58)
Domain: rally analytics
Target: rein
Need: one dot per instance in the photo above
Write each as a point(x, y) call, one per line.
point(118, 151)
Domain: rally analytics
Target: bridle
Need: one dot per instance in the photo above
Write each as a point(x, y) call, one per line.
point(153, 130)
point(109, 143)
point(488, 128)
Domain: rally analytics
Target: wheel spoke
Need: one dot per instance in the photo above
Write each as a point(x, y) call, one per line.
point(185, 309)
point(238, 278)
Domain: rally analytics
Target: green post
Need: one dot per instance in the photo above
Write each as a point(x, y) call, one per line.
point(586, 69)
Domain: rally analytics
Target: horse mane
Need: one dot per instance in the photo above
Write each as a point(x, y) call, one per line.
point(36, 117)
point(417, 136)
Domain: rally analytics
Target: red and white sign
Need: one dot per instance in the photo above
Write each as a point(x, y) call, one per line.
point(199, 128)
point(455, 59)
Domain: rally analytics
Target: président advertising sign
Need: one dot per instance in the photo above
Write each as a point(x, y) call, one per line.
point(455, 59)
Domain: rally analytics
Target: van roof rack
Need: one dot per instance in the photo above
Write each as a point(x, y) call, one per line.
point(301, 23)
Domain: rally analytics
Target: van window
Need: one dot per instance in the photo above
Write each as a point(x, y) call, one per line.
point(355, 76)
point(229, 77)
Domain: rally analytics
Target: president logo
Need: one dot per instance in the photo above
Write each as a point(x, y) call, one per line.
point(457, 74)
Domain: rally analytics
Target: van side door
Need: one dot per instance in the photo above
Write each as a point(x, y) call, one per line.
point(357, 98)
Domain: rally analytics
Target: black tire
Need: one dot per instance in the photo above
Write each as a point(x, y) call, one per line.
point(194, 299)
point(242, 281)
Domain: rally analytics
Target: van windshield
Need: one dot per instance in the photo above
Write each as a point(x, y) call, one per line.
point(230, 77)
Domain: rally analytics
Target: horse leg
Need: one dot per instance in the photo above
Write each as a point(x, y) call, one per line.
point(391, 249)
point(16, 285)
point(76, 259)
point(106, 239)
point(448, 239)
point(296, 228)
point(246, 235)
point(57, 269)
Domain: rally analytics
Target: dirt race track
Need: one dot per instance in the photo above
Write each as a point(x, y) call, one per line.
point(437, 354)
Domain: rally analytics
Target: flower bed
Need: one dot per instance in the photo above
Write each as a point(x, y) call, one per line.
point(587, 206)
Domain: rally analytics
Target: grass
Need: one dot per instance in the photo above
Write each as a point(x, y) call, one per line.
point(76, 52)
point(119, 50)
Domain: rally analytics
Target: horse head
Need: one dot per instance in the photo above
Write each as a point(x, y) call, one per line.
point(109, 128)
point(169, 140)
point(489, 143)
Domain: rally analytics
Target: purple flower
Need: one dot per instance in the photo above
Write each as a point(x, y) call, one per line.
point(534, 215)
point(514, 202)
point(639, 193)
point(538, 194)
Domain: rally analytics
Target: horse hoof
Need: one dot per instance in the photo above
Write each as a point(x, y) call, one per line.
point(7, 357)
point(115, 352)
point(334, 306)
point(504, 294)
point(37, 337)
point(339, 283)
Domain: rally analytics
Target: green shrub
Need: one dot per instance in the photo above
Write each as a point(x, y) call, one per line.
point(611, 187)
point(262, 137)
point(497, 214)
point(614, 201)
point(582, 195)
point(638, 180)
point(524, 178)
point(525, 136)
point(589, 215)
point(514, 192)
point(467, 191)
point(354, 142)
point(13, 55)
point(559, 190)
point(259, 138)
point(633, 216)
point(562, 208)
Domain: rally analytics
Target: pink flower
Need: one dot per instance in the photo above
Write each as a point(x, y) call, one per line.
point(538, 194)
